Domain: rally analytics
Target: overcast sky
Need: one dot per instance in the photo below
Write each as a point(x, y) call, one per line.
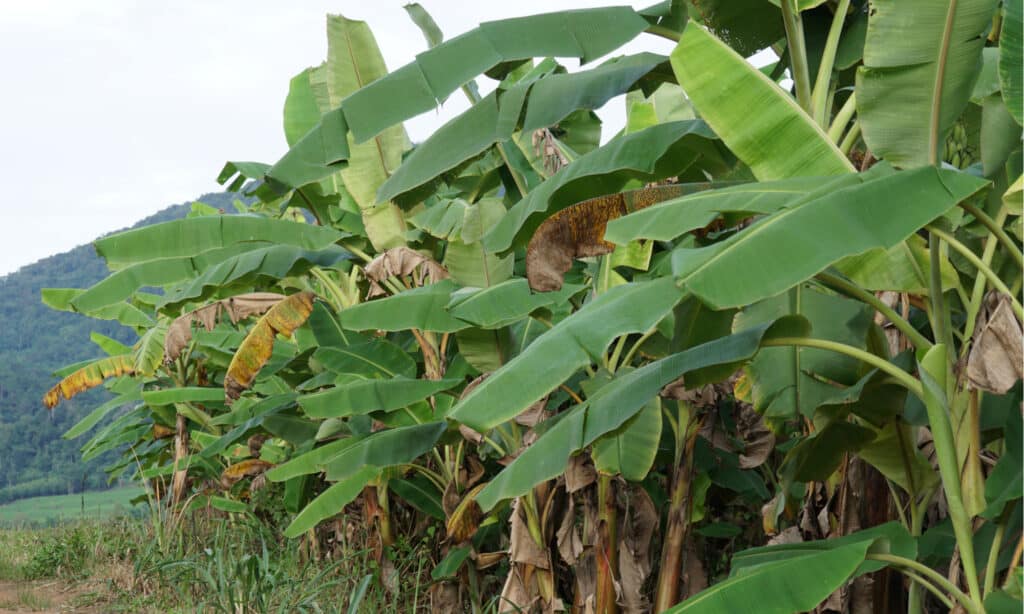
point(115, 109)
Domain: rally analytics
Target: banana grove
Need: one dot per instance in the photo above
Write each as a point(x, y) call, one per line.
point(758, 351)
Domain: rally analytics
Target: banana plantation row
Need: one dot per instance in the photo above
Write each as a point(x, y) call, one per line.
point(760, 351)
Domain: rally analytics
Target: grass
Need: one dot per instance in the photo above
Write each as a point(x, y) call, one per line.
point(48, 511)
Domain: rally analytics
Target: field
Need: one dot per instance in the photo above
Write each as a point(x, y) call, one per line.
point(46, 511)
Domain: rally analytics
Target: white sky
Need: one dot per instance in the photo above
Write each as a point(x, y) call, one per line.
point(114, 109)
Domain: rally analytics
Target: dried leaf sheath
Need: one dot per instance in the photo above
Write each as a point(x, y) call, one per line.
point(89, 376)
point(255, 350)
point(578, 232)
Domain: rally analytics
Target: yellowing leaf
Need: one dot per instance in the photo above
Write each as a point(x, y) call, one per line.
point(284, 318)
point(89, 376)
point(465, 518)
point(247, 468)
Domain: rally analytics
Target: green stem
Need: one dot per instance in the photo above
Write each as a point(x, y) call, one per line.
point(996, 228)
point(978, 293)
point(855, 291)
point(636, 346)
point(613, 361)
point(929, 574)
point(919, 581)
point(904, 378)
point(983, 268)
point(940, 77)
point(797, 53)
point(850, 138)
point(337, 296)
point(993, 551)
point(828, 57)
point(842, 118)
point(663, 32)
point(358, 252)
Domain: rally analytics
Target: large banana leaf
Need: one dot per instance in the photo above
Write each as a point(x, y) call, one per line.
point(495, 118)
point(617, 402)
point(630, 451)
point(660, 151)
point(62, 299)
point(362, 397)
point(376, 358)
point(422, 308)
point(920, 64)
point(420, 85)
point(878, 211)
point(353, 62)
point(504, 303)
point(270, 264)
point(302, 106)
point(385, 448)
point(158, 272)
point(670, 219)
point(573, 343)
point(191, 236)
point(330, 502)
point(758, 121)
point(795, 584)
point(1011, 64)
point(91, 420)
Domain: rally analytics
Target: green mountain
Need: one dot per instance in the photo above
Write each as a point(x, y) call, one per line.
point(36, 340)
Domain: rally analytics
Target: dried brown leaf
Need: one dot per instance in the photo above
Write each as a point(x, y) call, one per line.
point(465, 518)
point(580, 473)
point(237, 307)
point(162, 432)
point(400, 262)
point(996, 360)
point(639, 521)
point(283, 318)
point(578, 231)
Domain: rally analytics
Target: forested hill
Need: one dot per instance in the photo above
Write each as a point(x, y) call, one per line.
point(36, 340)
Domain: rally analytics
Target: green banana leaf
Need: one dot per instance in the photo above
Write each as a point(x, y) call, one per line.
point(422, 308)
point(312, 461)
point(572, 343)
point(787, 247)
point(663, 150)
point(618, 401)
point(505, 303)
point(363, 397)
point(385, 448)
point(191, 236)
point(375, 358)
point(918, 73)
point(185, 394)
point(93, 418)
point(62, 299)
point(331, 502)
point(1011, 65)
point(497, 116)
point(630, 450)
point(756, 119)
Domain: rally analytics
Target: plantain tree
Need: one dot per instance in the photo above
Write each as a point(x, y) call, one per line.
point(759, 350)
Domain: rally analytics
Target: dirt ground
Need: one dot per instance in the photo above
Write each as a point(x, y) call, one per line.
point(44, 596)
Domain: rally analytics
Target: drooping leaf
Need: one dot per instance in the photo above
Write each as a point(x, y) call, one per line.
point(779, 140)
point(915, 82)
point(790, 246)
point(630, 451)
point(663, 150)
point(93, 418)
point(62, 299)
point(572, 343)
point(191, 236)
point(496, 117)
point(283, 318)
point(89, 376)
point(615, 403)
point(384, 448)
point(332, 501)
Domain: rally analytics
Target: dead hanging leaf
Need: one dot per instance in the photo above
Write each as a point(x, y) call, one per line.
point(790, 535)
point(578, 232)
point(486, 560)
point(567, 537)
point(580, 473)
point(522, 548)
point(255, 443)
point(399, 262)
point(237, 307)
point(162, 432)
point(247, 468)
point(465, 519)
point(283, 318)
point(995, 361)
point(639, 521)
point(89, 376)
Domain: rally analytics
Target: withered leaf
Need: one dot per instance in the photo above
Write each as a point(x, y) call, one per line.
point(579, 473)
point(162, 432)
point(283, 318)
point(578, 231)
point(237, 307)
point(465, 519)
point(399, 262)
point(247, 468)
point(995, 361)
point(88, 377)
point(639, 521)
